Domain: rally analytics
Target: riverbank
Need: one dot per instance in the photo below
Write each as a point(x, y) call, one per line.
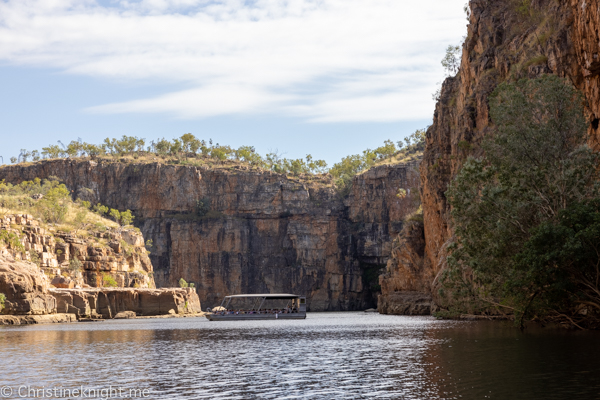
point(37, 319)
point(70, 318)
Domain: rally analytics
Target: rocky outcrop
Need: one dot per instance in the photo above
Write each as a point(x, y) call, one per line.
point(265, 232)
point(505, 40)
point(120, 254)
point(37, 319)
point(405, 303)
point(406, 282)
point(26, 288)
point(110, 302)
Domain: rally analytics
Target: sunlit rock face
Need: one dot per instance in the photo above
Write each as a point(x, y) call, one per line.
point(109, 302)
point(129, 267)
point(26, 288)
point(265, 232)
point(557, 37)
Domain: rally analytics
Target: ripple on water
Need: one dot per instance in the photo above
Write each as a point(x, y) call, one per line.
point(326, 356)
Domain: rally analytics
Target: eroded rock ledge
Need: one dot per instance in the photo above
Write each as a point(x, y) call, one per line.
point(405, 303)
point(26, 289)
point(108, 302)
point(30, 300)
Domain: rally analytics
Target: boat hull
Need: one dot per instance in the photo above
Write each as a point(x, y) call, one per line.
point(254, 317)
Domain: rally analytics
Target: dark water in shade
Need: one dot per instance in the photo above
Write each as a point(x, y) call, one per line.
point(327, 356)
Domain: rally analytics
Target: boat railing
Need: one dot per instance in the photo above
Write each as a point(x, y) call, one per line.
point(267, 311)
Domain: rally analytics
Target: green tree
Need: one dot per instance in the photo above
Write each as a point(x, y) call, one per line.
point(54, 206)
point(414, 142)
point(100, 209)
point(92, 150)
point(558, 267)
point(387, 150)
point(110, 146)
point(190, 143)
point(115, 214)
point(248, 154)
point(80, 220)
point(109, 281)
point(451, 61)
point(52, 151)
point(126, 218)
point(163, 147)
point(75, 149)
point(202, 207)
point(2, 301)
point(221, 152)
point(536, 165)
point(183, 283)
point(24, 155)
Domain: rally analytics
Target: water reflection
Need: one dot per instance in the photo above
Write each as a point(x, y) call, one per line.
point(494, 360)
point(326, 356)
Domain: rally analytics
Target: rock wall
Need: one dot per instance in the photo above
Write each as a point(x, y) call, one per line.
point(108, 302)
point(120, 254)
point(265, 232)
point(28, 293)
point(26, 288)
point(503, 42)
point(405, 282)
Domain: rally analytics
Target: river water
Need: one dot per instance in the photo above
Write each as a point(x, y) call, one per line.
point(350, 355)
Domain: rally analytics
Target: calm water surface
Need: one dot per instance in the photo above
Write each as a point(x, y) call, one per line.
point(327, 356)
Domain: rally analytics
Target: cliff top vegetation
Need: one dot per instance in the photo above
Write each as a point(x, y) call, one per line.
point(50, 202)
point(189, 150)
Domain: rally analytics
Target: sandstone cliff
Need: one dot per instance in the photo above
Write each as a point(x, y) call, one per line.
point(265, 232)
point(26, 288)
point(30, 299)
point(108, 302)
point(405, 283)
point(120, 254)
point(506, 40)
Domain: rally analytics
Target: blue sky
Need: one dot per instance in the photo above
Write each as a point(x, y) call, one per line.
point(325, 77)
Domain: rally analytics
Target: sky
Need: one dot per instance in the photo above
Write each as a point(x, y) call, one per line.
point(323, 77)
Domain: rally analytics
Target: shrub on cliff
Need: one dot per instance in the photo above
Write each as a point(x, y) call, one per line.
point(55, 204)
point(123, 218)
point(2, 301)
point(345, 170)
point(11, 240)
point(202, 207)
point(536, 167)
point(108, 281)
point(451, 61)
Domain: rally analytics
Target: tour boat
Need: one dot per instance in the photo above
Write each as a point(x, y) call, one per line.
point(261, 307)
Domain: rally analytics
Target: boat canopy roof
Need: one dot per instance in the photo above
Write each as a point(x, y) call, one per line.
point(267, 295)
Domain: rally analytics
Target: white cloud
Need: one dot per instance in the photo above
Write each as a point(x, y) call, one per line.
point(326, 60)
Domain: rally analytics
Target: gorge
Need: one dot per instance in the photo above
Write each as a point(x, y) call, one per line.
point(264, 232)
point(270, 232)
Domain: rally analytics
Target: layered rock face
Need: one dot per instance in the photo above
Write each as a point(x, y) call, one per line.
point(406, 283)
point(265, 232)
point(26, 288)
point(119, 254)
point(504, 41)
point(108, 302)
